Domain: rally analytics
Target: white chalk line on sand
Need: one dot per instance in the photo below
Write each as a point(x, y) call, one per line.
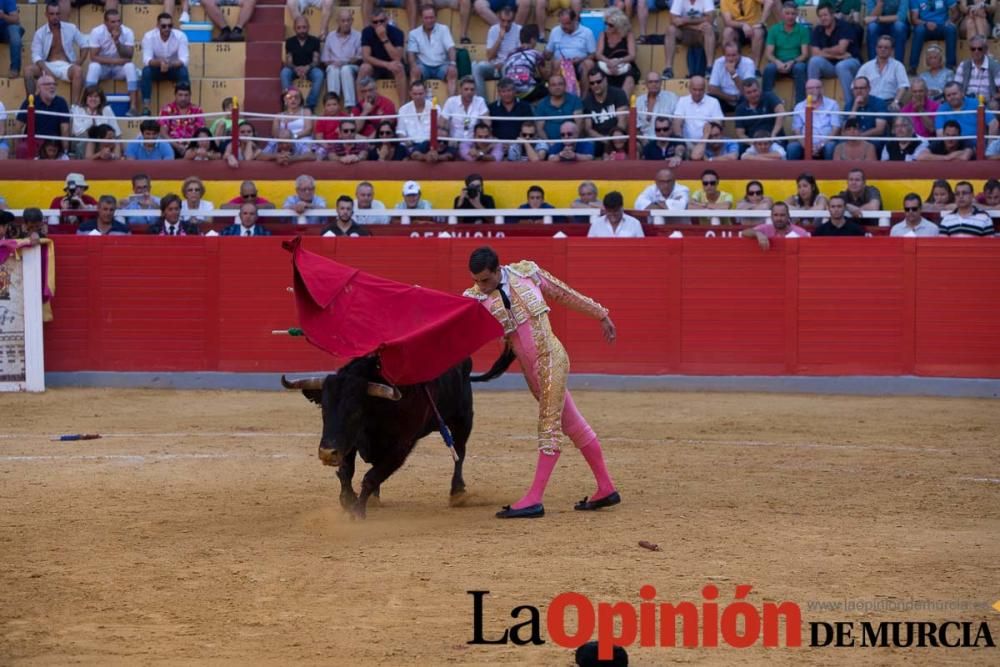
point(724, 443)
point(988, 480)
point(137, 458)
point(196, 434)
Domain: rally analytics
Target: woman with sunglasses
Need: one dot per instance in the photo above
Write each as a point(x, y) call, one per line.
point(294, 116)
point(193, 191)
point(753, 200)
point(616, 51)
point(807, 197)
point(388, 149)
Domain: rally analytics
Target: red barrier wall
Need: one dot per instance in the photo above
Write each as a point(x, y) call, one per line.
point(875, 306)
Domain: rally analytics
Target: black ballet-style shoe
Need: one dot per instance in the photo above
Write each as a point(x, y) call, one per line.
point(529, 512)
point(585, 505)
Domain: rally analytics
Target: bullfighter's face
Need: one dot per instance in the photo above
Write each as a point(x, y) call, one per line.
point(487, 280)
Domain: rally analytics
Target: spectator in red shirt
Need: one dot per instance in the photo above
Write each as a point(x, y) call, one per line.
point(370, 103)
point(248, 193)
point(182, 129)
point(75, 206)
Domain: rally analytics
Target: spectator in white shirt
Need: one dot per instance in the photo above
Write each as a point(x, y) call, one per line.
point(693, 21)
point(694, 111)
point(56, 49)
point(461, 112)
point(764, 148)
point(652, 103)
point(364, 202)
point(342, 57)
point(826, 124)
point(502, 39)
point(164, 56)
point(615, 223)
point(728, 74)
point(913, 224)
point(112, 46)
point(414, 125)
point(886, 75)
point(664, 193)
point(432, 51)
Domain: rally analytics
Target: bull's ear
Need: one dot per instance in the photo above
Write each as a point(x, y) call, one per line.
point(314, 395)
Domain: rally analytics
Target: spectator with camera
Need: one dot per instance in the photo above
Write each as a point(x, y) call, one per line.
point(74, 203)
point(473, 197)
point(141, 199)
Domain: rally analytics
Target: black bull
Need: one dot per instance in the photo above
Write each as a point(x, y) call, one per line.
point(363, 415)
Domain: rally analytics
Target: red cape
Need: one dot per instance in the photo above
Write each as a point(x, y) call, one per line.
point(418, 333)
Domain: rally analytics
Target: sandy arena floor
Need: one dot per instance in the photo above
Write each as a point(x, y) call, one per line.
point(206, 531)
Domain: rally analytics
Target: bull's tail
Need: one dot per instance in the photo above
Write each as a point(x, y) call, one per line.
point(498, 368)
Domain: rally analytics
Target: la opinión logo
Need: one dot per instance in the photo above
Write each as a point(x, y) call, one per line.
point(738, 624)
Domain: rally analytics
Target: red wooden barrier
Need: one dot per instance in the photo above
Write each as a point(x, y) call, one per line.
point(702, 306)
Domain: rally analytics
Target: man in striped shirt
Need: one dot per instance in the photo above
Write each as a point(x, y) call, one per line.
point(967, 219)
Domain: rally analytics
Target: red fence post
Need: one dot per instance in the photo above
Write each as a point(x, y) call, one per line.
point(807, 141)
point(632, 129)
point(434, 126)
point(234, 140)
point(30, 128)
point(981, 129)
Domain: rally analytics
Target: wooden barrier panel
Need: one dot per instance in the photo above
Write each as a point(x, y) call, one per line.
point(704, 306)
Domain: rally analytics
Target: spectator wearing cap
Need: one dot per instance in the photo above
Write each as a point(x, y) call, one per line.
point(181, 129)
point(248, 193)
point(365, 203)
point(106, 224)
point(74, 202)
point(164, 56)
point(411, 198)
point(615, 223)
point(247, 224)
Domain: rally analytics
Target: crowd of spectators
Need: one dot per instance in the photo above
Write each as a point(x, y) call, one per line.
point(568, 71)
point(948, 211)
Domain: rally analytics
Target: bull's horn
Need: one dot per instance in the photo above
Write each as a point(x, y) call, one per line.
point(384, 391)
point(304, 383)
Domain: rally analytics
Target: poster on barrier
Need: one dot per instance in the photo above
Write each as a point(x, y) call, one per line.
point(22, 366)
